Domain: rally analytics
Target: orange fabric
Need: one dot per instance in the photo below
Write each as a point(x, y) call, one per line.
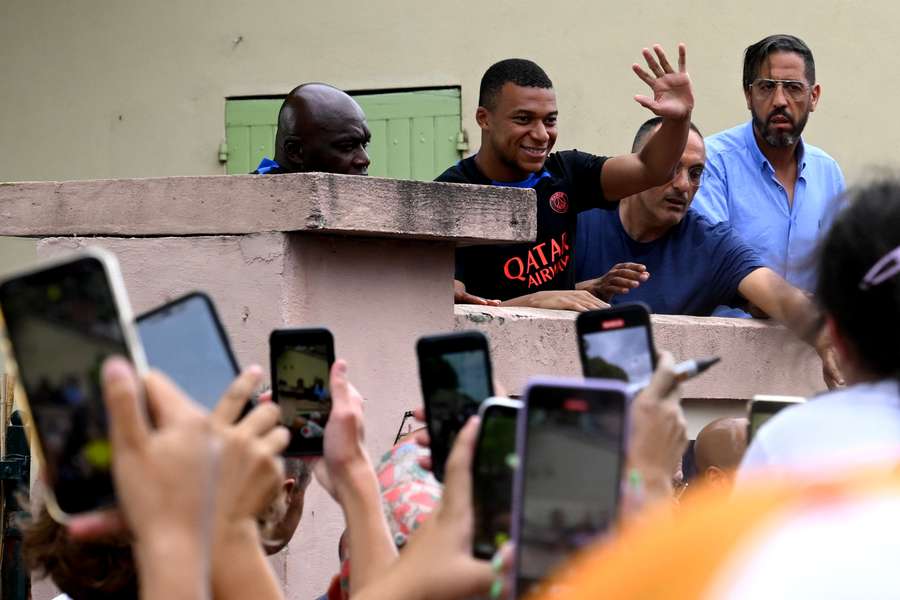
point(678, 556)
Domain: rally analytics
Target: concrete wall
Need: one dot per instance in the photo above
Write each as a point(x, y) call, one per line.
point(372, 259)
point(122, 88)
point(757, 356)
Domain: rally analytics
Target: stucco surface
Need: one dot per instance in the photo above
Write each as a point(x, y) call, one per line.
point(376, 296)
point(368, 206)
point(757, 356)
point(119, 88)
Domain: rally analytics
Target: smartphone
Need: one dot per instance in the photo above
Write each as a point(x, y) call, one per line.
point(301, 362)
point(571, 446)
point(617, 343)
point(185, 340)
point(493, 469)
point(62, 320)
point(455, 371)
point(764, 407)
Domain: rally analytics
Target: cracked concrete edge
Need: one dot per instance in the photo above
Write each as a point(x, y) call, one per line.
point(241, 204)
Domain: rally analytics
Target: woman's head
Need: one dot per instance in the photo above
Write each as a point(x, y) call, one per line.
point(99, 570)
point(864, 308)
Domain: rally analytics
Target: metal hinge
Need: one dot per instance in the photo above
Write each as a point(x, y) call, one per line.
point(223, 152)
point(14, 469)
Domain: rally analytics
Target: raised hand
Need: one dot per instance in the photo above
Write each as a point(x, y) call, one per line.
point(673, 97)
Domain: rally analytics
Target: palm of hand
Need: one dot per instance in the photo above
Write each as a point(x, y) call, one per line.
point(673, 97)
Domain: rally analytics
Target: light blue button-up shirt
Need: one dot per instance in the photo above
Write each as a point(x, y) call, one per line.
point(739, 185)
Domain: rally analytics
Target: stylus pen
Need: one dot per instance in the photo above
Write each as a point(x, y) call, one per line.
point(683, 371)
point(691, 368)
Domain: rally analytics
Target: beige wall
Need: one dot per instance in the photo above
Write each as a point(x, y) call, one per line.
point(121, 88)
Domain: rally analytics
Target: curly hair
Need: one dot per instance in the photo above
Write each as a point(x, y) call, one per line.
point(98, 570)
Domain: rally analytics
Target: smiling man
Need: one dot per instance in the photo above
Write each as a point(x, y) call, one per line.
point(655, 250)
point(778, 193)
point(517, 114)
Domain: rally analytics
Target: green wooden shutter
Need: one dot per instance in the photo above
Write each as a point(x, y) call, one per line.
point(249, 132)
point(414, 134)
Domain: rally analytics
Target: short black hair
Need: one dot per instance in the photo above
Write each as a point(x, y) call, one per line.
point(755, 54)
point(519, 71)
point(863, 233)
point(648, 126)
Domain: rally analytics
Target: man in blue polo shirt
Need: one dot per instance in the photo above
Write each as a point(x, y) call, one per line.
point(653, 249)
point(777, 192)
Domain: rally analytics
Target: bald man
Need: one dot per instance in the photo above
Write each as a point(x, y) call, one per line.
point(718, 451)
point(320, 128)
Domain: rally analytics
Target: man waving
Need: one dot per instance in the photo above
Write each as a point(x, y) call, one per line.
point(517, 114)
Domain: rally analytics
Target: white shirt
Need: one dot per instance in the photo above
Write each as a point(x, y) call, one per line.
point(841, 551)
point(859, 424)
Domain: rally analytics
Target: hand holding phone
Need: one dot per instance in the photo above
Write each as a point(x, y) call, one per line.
point(301, 362)
point(658, 429)
point(570, 444)
point(493, 471)
point(63, 320)
point(617, 343)
point(185, 340)
point(455, 371)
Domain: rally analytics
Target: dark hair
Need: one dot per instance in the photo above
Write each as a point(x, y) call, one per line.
point(649, 125)
point(862, 234)
point(519, 71)
point(755, 54)
point(98, 570)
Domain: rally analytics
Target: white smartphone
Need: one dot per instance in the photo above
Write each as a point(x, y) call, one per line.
point(63, 319)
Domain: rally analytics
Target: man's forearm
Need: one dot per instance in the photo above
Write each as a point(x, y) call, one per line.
point(663, 150)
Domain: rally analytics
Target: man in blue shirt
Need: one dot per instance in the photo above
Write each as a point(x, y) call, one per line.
point(777, 192)
point(320, 128)
point(655, 250)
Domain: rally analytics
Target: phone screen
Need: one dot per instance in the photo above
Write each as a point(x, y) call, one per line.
point(454, 383)
point(492, 484)
point(621, 352)
point(63, 323)
point(301, 365)
point(763, 410)
point(185, 340)
point(571, 473)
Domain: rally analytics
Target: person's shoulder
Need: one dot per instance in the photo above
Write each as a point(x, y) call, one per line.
point(816, 154)
point(833, 406)
point(727, 141)
point(464, 171)
point(564, 160)
point(697, 224)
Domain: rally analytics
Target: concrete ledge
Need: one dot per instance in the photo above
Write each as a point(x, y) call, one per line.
point(316, 202)
point(757, 357)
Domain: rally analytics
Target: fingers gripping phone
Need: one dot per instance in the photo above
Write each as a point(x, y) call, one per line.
point(617, 343)
point(63, 319)
point(571, 446)
point(455, 371)
point(493, 469)
point(185, 340)
point(301, 362)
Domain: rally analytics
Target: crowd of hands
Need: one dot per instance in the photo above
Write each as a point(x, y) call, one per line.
point(192, 485)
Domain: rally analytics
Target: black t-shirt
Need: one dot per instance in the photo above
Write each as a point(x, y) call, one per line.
point(569, 184)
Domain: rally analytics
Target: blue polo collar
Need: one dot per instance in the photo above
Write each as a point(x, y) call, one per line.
point(760, 158)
